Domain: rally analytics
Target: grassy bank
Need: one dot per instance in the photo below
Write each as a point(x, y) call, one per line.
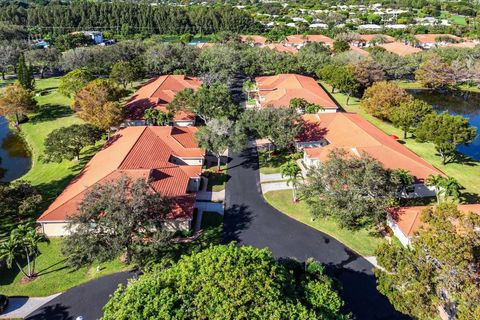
point(466, 173)
point(363, 241)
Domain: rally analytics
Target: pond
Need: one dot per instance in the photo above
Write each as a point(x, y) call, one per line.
point(466, 104)
point(15, 158)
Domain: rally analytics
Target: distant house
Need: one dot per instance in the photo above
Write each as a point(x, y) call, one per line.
point(358, 50)
point(158, 93)
point(279, 90)
point(400, 48)
point(405, 221)
point(254, 41)
point(299, 40)
point(323, 133)
point(427, 41)
point(205, 45)
point(167, 157)
point(370, 27)
point(367, 40)
point(96, 36)
point(281, 48)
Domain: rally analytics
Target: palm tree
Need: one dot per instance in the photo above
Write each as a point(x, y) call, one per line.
point(23, 242)
point(436, 182)
point(451, 187)
point(10, 251)
point(293, 172)
point(150, 116)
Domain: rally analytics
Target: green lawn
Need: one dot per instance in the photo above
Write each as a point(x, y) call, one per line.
point(417, 85)
point(54, 112)
point(363, 241)
point(216, 180)
point(460, 20)
point(466, 173)
point(271, 164)
point(54, 275)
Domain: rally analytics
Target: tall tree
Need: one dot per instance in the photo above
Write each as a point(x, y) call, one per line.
point(382, 98)
point(120, 216)
point(354, 191)
point(17, 101)
point(124, 73)
point(436, 74)
point(74, 81)
point(279, 125)
point(97, 103)
point(439, 268)
point(43, 59)
point(24, 74)
point(445, 187)
point(208, 102)
point(22, 244)
point(68, 142)
point(156, 117)
point(410, 114)
point(446, 132)
point(234, 282)
point(293, 172)
point(220, 134)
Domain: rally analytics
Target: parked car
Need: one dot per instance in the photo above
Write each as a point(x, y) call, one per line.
point(3, 303)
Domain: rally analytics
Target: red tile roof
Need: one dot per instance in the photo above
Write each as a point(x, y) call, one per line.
point(400, 48)
point(158, 93)
point(351, 132)
point(408, 218)
point(278, 90)
point(281, 48)
point(370, 37)
point(359, 51)
point(259, 40)
point(432, 37)
point(137, 152)
point(301, 39)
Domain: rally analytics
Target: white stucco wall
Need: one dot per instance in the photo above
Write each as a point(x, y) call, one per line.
point(54, 229)
point(397, 232)
point(188, 123)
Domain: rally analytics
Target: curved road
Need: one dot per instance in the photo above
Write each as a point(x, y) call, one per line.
point(250, 220)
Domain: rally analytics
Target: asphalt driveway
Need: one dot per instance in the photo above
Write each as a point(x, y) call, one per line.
point(250, 220)
point(85, 300)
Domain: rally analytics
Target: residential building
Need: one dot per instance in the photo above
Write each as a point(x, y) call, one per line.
point(358, 50)
point(278, 90)
point(323, 133)
point(428, 41)
point(158, 93)
point(254, 41)
point(167, 157)
point(96, 36)
point(400, 48)
point(368, 40)
point(281, 48)
point(299, 40)
point(406, 221)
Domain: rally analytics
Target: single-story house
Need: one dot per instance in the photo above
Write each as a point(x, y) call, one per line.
point(367, 40)
point(358, 50)
point(400, 48)
point(281, 48)
point(427, 41)
point(325, 132)
point(405, 221)
point(299, 40)
point(279, 90)
point(254, 41)
point(167, 157)
point(158, 93)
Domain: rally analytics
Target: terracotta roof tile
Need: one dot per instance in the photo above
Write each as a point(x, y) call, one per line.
point(432, 37)
point(278, 90)
point(281, 48)
point(400, 48)
point(351, 132)
point(135, 152)
point(158, 93)
point(370, 37)
point(260, 40)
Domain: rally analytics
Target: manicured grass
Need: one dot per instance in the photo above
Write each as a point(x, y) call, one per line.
point(54, 275)
point(272, 164)
point(363, 241)
point(460, 20)
point(417, 85)
point(216, 180)
point(467, 173)
point(54, 112)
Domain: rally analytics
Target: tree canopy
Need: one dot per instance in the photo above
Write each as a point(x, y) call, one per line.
point(438, 269)
point(229, 282)
point(410, 114)
point(354, 191)
point(118, 217)
point(382, 98)
point(17, 101)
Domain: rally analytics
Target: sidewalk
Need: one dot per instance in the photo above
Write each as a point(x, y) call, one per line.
point(20, 307)
point(211, 196)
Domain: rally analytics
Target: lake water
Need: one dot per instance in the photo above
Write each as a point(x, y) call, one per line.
point(466, 104)
point(15, 159)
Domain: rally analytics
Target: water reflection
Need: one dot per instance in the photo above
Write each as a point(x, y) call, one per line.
point(15, 158)
point(466, 104)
